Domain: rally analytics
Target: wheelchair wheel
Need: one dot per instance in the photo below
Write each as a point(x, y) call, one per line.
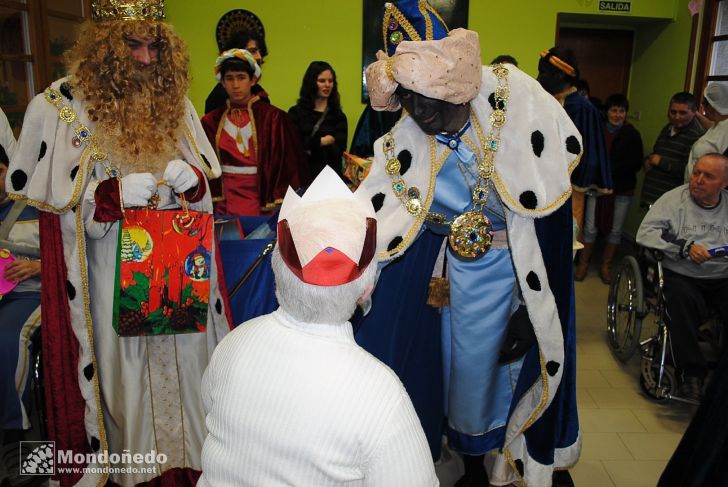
point(650, 373)
point(625, 309)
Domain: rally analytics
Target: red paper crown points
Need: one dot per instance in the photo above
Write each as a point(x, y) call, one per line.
point(330, 267)
point(344, 236)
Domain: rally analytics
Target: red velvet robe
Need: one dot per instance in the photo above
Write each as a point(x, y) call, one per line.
point(278, 150)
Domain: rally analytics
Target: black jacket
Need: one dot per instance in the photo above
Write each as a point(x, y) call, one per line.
point(626, 156)
point(334, 124)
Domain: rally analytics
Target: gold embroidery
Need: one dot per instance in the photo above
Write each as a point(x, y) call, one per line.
point(42, 205)
point(428, 22)
point(388, 69)
point(218, 133)
point(503, 191)
point(67, 114)
point(435, 166)
point(151, 396)
point(509, 457)
point(181, 409)
point(82, 263)
point(253, 125)
point(393, 11)
point(437, 15)
point(471, 232)
point(26, 333)
point(197, 154)
point(544, 395)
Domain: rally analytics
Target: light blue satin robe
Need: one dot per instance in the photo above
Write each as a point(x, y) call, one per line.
point(483, 295)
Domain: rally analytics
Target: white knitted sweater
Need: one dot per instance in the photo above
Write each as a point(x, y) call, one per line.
point(301, 404)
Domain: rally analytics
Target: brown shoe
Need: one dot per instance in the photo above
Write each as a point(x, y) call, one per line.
point(605, 274)
point(582, 267)
point(605, 270)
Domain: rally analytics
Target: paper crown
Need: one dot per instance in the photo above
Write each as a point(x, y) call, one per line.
point(127, 10)
point(327, 237)
point(411, 20)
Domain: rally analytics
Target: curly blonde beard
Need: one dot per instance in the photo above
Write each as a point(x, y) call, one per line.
point(138, 109)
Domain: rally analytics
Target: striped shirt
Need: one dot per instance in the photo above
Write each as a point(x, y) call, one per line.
point(674, 150)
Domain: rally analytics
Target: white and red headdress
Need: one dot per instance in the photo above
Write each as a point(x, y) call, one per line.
point(328, 236)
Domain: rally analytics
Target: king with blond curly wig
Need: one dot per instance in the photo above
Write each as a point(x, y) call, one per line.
point(137, 108)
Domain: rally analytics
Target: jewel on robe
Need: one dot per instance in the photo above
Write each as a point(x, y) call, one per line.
point(395, 37)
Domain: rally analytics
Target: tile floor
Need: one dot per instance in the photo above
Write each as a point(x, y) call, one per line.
point(627, 438)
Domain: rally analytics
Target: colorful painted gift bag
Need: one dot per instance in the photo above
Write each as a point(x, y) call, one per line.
point(163, 272)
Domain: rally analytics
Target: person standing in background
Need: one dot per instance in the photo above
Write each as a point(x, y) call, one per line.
point(558, 73)
point(624, 145)
point(665, 165)
point(320, 121)
point(252, 42)
point(254, 140)
point(715, 139)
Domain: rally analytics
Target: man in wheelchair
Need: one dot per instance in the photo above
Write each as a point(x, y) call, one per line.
point(689, 224)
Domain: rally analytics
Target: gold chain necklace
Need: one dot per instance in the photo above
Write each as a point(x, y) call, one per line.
point(83, 134)
point(85, 137)
point(471, 232)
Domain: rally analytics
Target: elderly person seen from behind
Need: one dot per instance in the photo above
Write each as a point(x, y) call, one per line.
point(291, 398)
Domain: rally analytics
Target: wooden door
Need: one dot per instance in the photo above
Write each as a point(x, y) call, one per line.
point(604, 57)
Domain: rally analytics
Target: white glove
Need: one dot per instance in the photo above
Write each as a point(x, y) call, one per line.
point(180, 176)
point(137, 188)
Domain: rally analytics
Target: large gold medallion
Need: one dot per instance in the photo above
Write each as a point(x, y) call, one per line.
point(471, 235)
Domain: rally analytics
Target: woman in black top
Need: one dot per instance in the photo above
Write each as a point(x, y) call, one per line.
point(319, 119)
point(608, 213)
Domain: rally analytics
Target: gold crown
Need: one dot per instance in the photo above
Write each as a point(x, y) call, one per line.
point(128, 10)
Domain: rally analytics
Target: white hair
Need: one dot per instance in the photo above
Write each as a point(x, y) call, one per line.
point(717, 156)
point(319, 304)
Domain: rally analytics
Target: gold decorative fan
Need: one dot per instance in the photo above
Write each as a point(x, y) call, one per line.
point(236, 21)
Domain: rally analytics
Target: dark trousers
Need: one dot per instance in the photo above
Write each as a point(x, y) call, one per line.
point(688, 301)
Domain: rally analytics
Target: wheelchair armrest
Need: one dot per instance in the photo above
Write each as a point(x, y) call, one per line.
point(651, 255)
point(658, 255)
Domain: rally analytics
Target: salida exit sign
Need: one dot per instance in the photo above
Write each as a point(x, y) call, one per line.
point(615, 6)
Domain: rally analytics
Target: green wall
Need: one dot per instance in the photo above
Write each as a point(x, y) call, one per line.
point(299, 32)
point(658, 71)
point(296, 34)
